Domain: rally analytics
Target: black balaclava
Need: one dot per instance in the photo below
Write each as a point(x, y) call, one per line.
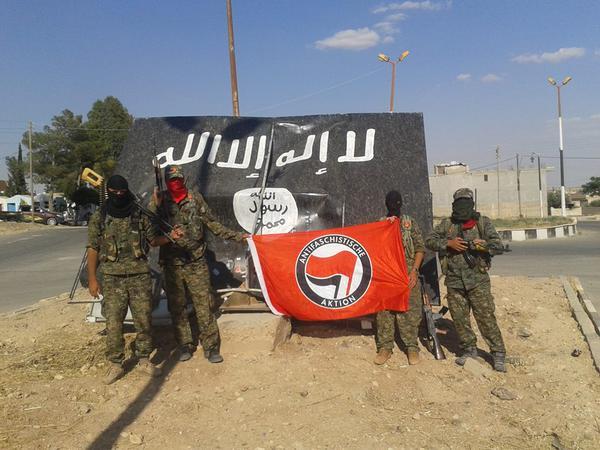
point(119, 205)
point(463, 209)
point(393, 202)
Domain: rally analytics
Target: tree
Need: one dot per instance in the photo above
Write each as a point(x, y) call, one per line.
point(55, 152)
point(592, 187)
point(64, 148)
point(553, 199)
point(108, 124)
point(16, 174)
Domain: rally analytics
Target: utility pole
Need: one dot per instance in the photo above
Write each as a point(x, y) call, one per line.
point(539, 183)
point(519, 186)
point(232, 68)
point(498, 178)
point(31, 170)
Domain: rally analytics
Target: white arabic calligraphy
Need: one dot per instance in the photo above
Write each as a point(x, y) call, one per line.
point(166, 158)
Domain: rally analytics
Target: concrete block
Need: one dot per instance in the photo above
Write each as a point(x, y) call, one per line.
point(585, 324)
point(560, 232)
point(518, 235)
point(542, 233)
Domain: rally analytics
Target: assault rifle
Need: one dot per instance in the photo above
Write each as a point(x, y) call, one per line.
point(476, 249)
point(97, 181)
point(159, 186)
point(432, 342)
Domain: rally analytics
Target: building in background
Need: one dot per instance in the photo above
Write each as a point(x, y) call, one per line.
point(495, 197)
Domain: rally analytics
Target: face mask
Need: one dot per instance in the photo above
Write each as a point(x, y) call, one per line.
point(177, 189)
point(463, 209)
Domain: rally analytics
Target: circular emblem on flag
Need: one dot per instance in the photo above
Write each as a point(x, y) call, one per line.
point(333, 271)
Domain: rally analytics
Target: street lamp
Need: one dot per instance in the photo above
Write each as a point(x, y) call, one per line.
point(384, 58)
point(539, 181)
point(563, 205)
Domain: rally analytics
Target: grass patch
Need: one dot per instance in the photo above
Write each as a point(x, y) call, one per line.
point(531, 222)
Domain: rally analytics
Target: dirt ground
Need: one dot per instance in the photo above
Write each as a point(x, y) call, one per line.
point(7, 228)
point(320, 390)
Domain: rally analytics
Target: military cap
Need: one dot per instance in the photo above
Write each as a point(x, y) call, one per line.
point(463, 193)
point(173, 171)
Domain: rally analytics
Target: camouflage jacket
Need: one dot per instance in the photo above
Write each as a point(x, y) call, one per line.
point(192, 214)
point(412, 239)
point(457, 271)
point(121, 243)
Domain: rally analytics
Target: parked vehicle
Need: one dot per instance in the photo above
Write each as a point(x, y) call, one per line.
point(40, 215)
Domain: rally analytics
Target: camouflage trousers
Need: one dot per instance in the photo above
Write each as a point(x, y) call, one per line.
point(194, 280)
point(120, 292)
point(407, 322)
point(480, 300)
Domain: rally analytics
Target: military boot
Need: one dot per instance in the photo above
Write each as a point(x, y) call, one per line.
point(115, 371)
point(147, 367)
point(214, 356)
point(413, 357)
point(185, 353)
point(382, 356)
point(467, 353)
point(498, 359)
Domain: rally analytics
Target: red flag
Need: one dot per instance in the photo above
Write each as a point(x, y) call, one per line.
point(333, 274)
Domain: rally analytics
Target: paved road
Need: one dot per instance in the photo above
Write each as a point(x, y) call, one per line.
point(38, 264)
point(576, 256)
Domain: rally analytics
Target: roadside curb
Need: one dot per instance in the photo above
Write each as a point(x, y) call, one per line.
point(585, 323)
point(526, 234)
point(587, 304)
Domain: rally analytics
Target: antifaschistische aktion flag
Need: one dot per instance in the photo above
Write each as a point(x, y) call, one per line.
point(333, 274)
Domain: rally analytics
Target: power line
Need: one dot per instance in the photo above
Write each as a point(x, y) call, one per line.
point(493, 164)
point(304, 97)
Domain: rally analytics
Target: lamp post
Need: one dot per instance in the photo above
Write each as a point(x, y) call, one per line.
point(539, 182)
point(384, 58)
point(563, 203)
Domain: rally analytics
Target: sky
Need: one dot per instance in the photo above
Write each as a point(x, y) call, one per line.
point(476, 70)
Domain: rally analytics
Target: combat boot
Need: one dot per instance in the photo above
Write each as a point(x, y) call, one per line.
point(467, 353)
point(214, 356)
point(115, 371)
point(382, 356)
point(147, 367)
point(498, 359)
point(185, 353)
point(413, 357)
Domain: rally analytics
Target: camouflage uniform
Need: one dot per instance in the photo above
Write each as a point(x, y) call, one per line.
point(185, 268)
point(407, 322)
point(469, 288)
point(121, 244)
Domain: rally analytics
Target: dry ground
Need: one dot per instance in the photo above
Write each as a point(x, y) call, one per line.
point(320, 390)
point(7, 228)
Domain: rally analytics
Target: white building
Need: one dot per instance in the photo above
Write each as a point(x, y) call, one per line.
point(13, 204)
point(496, 192)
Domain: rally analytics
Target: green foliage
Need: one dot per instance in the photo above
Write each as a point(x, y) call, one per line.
point(64, 148)
point(16, 174)
point(592, 187)
point(553, 199)
point(595, 203)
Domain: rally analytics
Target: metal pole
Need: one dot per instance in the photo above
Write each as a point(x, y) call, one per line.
point(393, 84)
point(31, 170)
point(563, 202)
point(540, 186)
point(232, 68)
point(519, 186)
point(498, 178)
